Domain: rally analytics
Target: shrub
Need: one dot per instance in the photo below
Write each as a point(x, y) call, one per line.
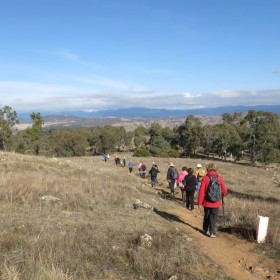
point(166, 153)
point(173, 153)
point(141, 153)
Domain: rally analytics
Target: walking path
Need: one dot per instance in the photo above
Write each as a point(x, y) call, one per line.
point(235, 255)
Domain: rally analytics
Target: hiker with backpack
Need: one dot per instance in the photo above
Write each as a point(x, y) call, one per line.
point(171, 177)
point(190, 183)
point(182, 175)
point(153, 172)
point(199, 174)
point(210, 197)
point(143, 170)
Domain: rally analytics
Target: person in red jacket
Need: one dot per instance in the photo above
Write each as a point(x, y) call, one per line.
point(210, 208)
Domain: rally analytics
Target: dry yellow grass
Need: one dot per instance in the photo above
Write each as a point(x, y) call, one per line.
point(92, 231)
point(252, 192)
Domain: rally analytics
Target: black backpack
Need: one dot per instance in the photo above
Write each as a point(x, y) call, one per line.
point(214, 192)
point(190, 183)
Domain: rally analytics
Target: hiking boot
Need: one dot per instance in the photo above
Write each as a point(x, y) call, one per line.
point(207, 232)
point(212, 235)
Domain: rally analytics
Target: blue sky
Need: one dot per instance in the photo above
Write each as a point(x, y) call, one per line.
point(96, 54)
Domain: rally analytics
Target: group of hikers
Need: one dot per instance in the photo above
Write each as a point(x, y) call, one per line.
point(120, 162)
point(207, 185)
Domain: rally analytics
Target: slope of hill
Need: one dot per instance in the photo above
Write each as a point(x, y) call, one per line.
point(60, 121)
point(74, 219)
point(147, 113)
point(131, 118)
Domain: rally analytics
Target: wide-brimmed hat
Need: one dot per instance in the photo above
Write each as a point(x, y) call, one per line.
point(199, 165)
point(171, 164)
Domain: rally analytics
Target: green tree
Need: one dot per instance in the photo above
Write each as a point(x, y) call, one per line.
point(190, 135)
point(227, 118)
point(33, 134)
point(141, 136)
point(207, 139)
point(8, 118)
point(94, 140)
point(69, 143)
point(112, 138)
point(237, 117)
point(128, 141)
point(109, 139)
point(158, 145)
point(169, 135)
point(226, 139)
point(121, 138)
point(263, 139)
point(267, 136)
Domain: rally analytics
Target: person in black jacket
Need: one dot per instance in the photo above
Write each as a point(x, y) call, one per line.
point(153, 172)
point(171, 177)
point(190, 183)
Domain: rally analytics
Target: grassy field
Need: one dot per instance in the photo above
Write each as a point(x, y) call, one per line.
point(91, 231)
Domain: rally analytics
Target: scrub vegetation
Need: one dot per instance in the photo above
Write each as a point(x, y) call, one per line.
point(73, 218)
point(254, 136)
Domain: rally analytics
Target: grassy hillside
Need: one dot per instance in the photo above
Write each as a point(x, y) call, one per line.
point(90, 230)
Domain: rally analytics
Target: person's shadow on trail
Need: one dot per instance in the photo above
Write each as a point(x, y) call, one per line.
point(175, 218)
point(167, 195)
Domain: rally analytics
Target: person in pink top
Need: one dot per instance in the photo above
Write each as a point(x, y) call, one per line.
point(211, 208)
point(180, 180)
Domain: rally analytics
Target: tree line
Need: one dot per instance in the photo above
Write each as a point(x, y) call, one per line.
point(255, 135)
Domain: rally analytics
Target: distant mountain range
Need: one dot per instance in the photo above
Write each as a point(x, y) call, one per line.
point(147, 113)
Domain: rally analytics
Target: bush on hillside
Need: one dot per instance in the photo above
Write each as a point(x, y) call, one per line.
point(173, 153)
point(170, 153)
point(141, 153)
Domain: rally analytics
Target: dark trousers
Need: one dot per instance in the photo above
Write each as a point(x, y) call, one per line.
point(210, 218)
point(154, 180)
point(172, 186)
point(190, 199)
point(183, 195)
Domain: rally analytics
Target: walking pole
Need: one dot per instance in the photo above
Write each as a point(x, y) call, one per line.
point(223, 203)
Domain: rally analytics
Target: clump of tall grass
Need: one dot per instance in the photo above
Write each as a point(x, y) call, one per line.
point(252, 193)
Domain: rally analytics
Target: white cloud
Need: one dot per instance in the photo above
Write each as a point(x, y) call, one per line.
point(227, 94)
point(188, 95)
point(40, 97)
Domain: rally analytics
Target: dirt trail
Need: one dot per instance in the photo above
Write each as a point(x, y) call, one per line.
point(233, 254)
